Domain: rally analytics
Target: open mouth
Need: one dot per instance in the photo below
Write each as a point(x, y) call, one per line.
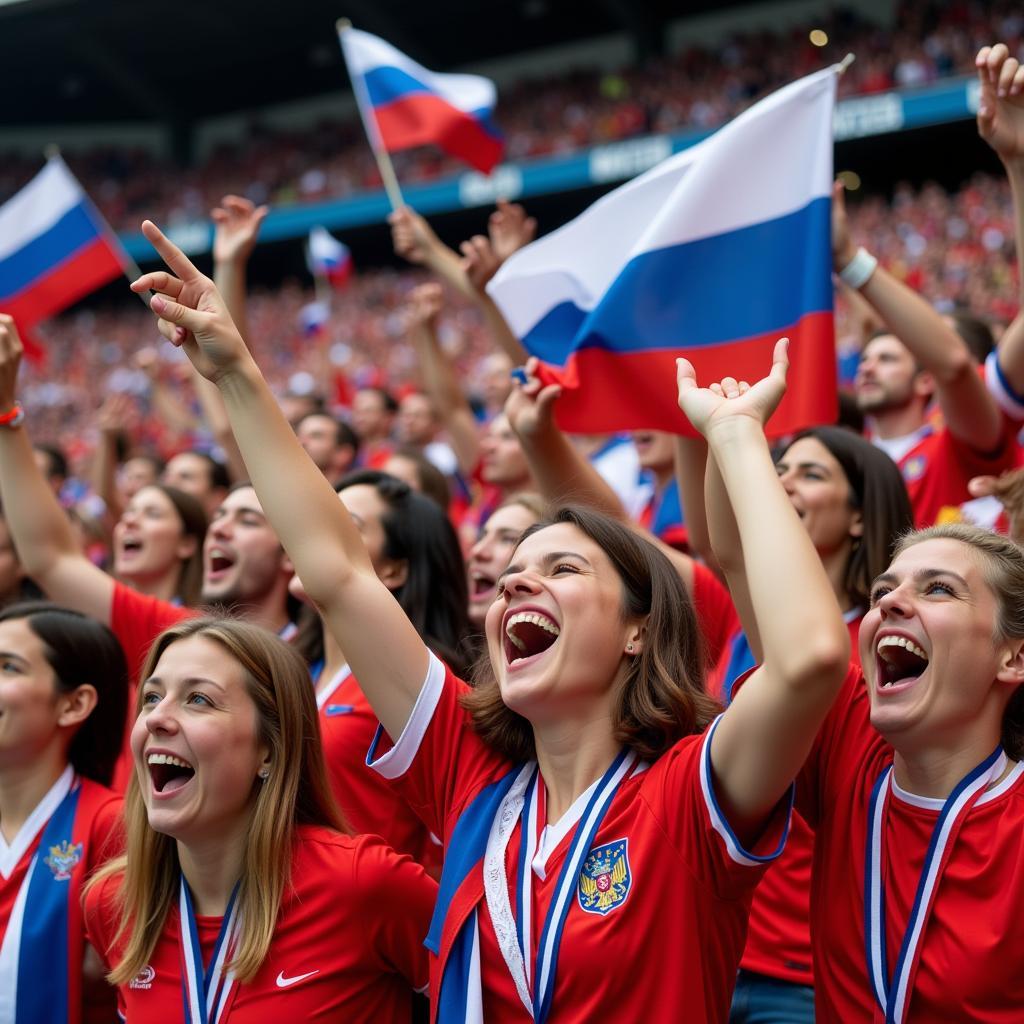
point(220, 562)
point(131, 546)
point(528, 634)
point(480, 585)
point(900, 661)
point(168, 773)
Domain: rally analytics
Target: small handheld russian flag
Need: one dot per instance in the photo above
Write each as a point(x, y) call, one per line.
point(328, 258)
point(406, 105)
point(54, 248)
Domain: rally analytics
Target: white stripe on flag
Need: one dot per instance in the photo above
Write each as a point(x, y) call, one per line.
point(38, 206)
point(745, 174)
point(365, 52)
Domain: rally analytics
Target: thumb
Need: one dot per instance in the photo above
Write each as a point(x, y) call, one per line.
point(686, 376)
point(780, 360)
point(982, 486)
point(176, 313)
point(548, 396)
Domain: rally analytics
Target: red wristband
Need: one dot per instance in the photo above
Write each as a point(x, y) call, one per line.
point(13, 416)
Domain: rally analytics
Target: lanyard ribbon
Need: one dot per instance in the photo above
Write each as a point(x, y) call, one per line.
point(206, 991)
point(535, 983)
point(893, 995)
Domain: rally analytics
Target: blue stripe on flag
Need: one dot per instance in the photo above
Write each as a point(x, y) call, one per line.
point(728, 287)
point(387, 84)
point(72, 232)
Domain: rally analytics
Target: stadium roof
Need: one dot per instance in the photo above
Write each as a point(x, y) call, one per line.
point(88, 61)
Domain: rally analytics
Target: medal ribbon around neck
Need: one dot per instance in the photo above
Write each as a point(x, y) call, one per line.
point(894, 997)
point(206, 991)
point(536, 988)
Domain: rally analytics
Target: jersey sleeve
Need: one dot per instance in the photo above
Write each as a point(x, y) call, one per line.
point(101, 917)
point(680, 791)
point(1000, 388)
point(399, 898)
point(439, 760)
point(716, 615)
point(106, 835)
point(137, 620)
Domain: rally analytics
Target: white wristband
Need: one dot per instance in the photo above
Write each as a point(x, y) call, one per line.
point(858, 271)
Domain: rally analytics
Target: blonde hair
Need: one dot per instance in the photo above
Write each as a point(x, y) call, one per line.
point(1003, 568)
point(295, 793)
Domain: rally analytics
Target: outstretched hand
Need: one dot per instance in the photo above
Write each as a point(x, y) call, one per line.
point(479, 261)
point(412, 237)
point(1008, 488)
point(236, 225)
point(843, 249)
point(509, 229)
point(11, 351)
point(190, 310)
point(1001, 103)
point(423, 307)
point(707, 408)
point(530, 406)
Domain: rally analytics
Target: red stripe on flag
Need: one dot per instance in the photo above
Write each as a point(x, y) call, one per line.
point(607, 391)
point(92, 266)
point(422, 119)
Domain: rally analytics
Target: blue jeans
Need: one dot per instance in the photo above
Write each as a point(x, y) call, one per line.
point(759, 999)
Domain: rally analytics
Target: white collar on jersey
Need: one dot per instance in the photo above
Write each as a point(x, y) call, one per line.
point(932, 803)
point(11, 854)
point(324, 695)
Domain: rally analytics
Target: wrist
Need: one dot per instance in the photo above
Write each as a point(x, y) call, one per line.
point(858, 270)
point(734, 430)
point(12, 415)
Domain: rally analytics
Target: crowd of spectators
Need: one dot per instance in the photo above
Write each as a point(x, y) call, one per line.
point(696, 87)
point(956, 248)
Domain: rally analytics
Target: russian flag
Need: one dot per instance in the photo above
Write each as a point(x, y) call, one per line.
point(328, 258)
point(54, 248)
point(411, 106)
point(313, 318)
point(713, 254)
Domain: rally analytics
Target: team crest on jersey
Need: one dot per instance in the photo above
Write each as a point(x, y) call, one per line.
point(62, 860)
point(605, 878)
point(914, 468)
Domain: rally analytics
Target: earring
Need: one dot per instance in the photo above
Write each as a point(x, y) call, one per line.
point(629, 648)
point(264, 774)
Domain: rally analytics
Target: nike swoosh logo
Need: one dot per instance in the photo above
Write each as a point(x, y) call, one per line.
point(283, 982)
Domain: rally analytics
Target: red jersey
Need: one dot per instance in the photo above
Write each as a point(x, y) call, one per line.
point(680, 877)
point(347, 727)
point(43, 943)
point(348, 943)
point(971, 966)
point(938, 467)
point(779, 936)
point(137, 620)
point(716, 618)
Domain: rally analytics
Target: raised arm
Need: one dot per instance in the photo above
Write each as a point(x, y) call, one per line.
point(42, 534)
point(416, 241)
point(323, 542)
point(112, 419)
point(968, 409)
point(766, 733)
point(561, 473)
point(1001, 125)
point(440, 381)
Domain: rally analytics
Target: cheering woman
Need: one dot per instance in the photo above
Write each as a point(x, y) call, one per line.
point(584, 801)
point(240, 897)
point(63, 686)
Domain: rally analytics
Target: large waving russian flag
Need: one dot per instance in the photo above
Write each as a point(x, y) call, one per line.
point(54, 248)
point(714, 254)
point(411, 106)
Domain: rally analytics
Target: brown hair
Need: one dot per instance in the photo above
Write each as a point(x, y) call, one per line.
point(662, 697)
point(1003, 568)
point(296, 793)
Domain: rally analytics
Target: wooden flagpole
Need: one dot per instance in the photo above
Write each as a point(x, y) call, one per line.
point(383, 158)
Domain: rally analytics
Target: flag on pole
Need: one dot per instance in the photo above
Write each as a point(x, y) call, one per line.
point(407, 105)
point(714, 254)
point(313, 318)
point(54, 249)
point(328, 258)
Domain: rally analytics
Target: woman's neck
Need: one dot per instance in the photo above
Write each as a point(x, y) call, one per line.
point(334, 659)
point(163, 586)
point(212, 867)
point(23, 786)
point(935, 771)
point(835, 568)
point(572, 756)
